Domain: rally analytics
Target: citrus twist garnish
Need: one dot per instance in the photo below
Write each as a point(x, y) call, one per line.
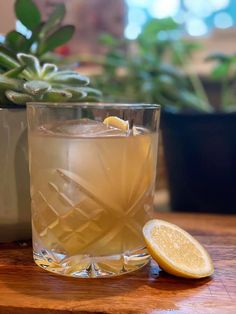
point(117, 123)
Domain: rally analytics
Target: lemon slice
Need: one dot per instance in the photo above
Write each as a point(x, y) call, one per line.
point(176, 251)
point(117, 123)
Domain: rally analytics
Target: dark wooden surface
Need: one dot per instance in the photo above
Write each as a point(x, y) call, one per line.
point(25, 288)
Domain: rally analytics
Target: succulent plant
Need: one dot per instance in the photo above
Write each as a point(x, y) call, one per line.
point(40, 36)
point(26, 80)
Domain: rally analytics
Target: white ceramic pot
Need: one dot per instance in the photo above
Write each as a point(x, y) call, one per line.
point(14, 176)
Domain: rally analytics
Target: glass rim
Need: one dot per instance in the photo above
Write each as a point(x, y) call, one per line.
point(94, 105)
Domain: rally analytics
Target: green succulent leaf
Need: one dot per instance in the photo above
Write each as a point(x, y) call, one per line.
point(18, 98)
point(8, 62)
point(56, 95)
point(7, 51)
point(34, 38)
point(77, 93)
point(14, 72)
point(9, 83)
point(54, 19)
point(69, 77)
point(28, 13)
point(36, 88)
point(16, 41)
point(92, 91)
point(56, 39)
point(30, 61)
point(91, 94)
point(47, 69)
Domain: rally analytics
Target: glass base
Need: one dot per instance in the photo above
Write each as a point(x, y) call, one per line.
point(85, 266)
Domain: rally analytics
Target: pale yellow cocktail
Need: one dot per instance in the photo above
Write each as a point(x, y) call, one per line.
point(92, 190)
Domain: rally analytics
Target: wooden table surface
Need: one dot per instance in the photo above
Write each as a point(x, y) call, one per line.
point(25, 288)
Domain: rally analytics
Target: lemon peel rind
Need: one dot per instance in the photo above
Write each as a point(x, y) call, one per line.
point(117, 123)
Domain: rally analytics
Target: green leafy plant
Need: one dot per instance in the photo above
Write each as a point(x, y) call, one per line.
point(224, 72)
point(41, 36)
point(153, 68)
point(26, 80)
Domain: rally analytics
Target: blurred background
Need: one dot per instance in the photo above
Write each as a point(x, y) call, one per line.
point(211, 21)
point(180, 33)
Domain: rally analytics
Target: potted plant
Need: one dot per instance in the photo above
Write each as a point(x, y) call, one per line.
point(24, 78)
point(200, 149)
point(198, 139)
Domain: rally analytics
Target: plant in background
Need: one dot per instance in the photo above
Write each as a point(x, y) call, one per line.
point(24, 77)
point(224, 72)
point(41, 36)
point(26, 80)
point(153, 68)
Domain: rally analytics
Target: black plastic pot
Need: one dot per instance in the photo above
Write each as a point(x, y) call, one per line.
point(200, 152)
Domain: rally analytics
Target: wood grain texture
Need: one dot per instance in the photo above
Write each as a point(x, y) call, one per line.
point(25, 288)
